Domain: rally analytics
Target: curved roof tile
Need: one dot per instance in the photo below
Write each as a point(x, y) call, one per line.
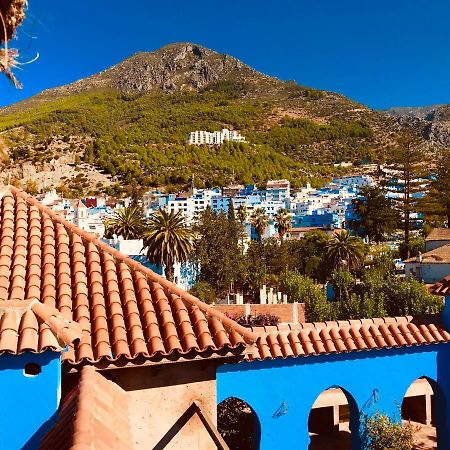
point(125, 312)
point(29, 325)
point(321, 338)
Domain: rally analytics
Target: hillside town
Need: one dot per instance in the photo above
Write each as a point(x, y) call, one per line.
point(327, 208)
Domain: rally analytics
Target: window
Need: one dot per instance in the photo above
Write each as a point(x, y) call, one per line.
point(32, 370)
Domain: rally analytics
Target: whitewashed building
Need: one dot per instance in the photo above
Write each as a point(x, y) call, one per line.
point(214, 138)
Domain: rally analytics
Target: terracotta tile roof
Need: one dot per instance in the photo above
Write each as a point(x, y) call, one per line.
point(439, 234)
point(28, 325)
point(441, 287)
point(440, 255)
point(127, 312)
point(94, 415)
point(345, 336)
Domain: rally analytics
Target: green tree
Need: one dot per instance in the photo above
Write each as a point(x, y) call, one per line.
point(302, 289)
point(345, 250)
point(259, 221)
point(241, 214)
point(406, 297)
point(218, 252)
point(406, 159)
point(416, 246)
point(126, 222)
point(375, 215)
point(381, 432)
point(437, 201)
point(256, 266)
point(204, 291)
point(282, 222)
point(308, 256)
point(343, 283)
point(167, 240)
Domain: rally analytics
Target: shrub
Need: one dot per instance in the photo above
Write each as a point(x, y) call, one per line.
point(204, 291)
point(302, 289)
point(258, 320)
point(380, 432)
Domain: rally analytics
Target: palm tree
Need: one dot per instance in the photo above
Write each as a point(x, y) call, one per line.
point(259, 222)
point(282, 222)
point(346, 250)
point(167, 240)
point(241, 214)
point(126, 222)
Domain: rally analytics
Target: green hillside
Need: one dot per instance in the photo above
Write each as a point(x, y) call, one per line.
point(140, 137)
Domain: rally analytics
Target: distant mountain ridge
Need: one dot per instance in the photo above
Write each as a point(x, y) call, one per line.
point(432, 122)
point(418, 112)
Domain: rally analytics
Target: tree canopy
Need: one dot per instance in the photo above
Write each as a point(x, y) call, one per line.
point(167, 240)
point(374, 214)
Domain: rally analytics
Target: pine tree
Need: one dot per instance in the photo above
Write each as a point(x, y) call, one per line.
point(406, 160)
point(374, 213)
point(437, 203)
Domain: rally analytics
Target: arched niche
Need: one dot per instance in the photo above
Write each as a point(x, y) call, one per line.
point(424, 406)
point(333, 421)
point(238, 424)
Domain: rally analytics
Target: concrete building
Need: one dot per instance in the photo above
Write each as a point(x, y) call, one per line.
point(354, 181)
point(437, 238)
point(214, 138)
point(431, 266)
point(278, 190)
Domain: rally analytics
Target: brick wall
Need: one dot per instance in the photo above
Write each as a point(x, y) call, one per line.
point(286, 313)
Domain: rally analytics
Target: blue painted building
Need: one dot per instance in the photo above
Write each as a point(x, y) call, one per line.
point(30, 392)
point(33, 336)
point(296, 383)
point(281, 389)
point(326, 220)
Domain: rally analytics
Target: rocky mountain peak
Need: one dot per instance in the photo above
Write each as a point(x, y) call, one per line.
point(175, 67)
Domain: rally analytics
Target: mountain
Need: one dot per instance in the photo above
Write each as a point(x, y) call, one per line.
point(128, 125)
point(414, 112)
point(432, 122)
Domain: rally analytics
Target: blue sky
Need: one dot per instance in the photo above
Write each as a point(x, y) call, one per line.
point(382, 53)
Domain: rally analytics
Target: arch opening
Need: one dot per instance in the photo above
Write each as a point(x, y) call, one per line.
point(333, 421)
point(423, 407)
point(238, 424)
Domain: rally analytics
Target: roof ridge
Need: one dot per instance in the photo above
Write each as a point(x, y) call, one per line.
point(332, 324)
point(248, 335)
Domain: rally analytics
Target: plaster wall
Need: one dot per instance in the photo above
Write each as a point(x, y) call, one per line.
point(285, 312)
point(297, 382)
point(28, 404)
point(429, 273)
point(157, 397)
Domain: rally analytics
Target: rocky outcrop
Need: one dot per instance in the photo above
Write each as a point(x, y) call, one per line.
point(433, 122)
point(176, 67)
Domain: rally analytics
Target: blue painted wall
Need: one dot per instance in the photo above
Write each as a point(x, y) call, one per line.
point(28, 404)
point(265, 385)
